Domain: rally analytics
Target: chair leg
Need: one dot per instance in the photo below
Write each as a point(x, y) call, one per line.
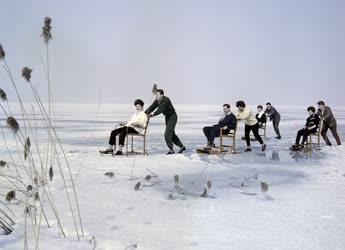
point(233, 144)
point(114, 147)
point(265, 132)
point(221, 142)
point(127, 145)
point(132, 145)
point(144, 152)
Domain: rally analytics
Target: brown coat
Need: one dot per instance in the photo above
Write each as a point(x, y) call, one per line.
point(327, 117)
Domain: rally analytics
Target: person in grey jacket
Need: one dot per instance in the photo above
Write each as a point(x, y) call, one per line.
point(329, 122)
point(274, 116)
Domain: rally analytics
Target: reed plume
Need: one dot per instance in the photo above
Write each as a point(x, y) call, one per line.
point(154, 89)
point(10, 196)
point(27, 146)
point(12, 124)
point(176, 179)
point(51, 173)
point(3, 95)
point(204, 194)
point(2, 53)
point(137, 186)
point(26, 73)
point(3, 163)
point(264, 187)
point(46, 30)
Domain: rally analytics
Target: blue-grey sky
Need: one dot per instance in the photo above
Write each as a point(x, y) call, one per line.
point(288, 52)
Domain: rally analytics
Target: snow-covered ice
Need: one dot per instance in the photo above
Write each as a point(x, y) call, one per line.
point(304, 207)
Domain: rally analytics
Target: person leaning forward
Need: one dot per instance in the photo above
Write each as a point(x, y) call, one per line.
point(329, 122)
point(163, 105)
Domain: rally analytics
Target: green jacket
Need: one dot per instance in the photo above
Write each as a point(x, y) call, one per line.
point(163, 106)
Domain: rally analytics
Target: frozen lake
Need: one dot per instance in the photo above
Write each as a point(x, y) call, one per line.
point(303, 209)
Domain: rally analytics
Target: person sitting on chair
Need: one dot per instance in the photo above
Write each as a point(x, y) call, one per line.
point(261, 116)
point(135, 125)
point(251, 124)
point(228, 120)
point(311, 127)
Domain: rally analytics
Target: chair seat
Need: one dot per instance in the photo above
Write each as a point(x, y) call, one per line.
point(135, 134)
point(230, 134)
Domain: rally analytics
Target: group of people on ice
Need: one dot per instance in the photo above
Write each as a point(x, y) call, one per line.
point(163, 105)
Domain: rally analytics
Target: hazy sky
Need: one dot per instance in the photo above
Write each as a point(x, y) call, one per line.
point(288, 52)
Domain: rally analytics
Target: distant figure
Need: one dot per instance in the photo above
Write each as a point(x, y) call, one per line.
point(164, 105)
point(311, 127)
point(251, 124)
point(274, 117)
point(136, 125)
point(228, 120)
point(261, 116)
point(329, 122)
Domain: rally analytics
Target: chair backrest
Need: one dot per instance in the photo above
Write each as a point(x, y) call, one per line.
point(319, 128)
point(146, 125)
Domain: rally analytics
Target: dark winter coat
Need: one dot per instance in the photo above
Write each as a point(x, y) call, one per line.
point(273, 114)
point(327, 116)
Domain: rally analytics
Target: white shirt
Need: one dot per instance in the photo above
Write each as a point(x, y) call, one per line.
point(139, 119)
point(247, 116)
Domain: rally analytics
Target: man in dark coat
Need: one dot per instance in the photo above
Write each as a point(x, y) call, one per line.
point(274, 116)
point(164, 106)
point(329, 122)
point(228, 121)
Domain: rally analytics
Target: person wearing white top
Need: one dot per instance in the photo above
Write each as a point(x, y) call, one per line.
point(136, 124)
point(251, 124)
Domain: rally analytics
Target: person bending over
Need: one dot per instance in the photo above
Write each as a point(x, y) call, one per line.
point(274, 116)
point(135, 125)
point(251, 124)
point(329, 122)
point(228, 120)
point(163, 105)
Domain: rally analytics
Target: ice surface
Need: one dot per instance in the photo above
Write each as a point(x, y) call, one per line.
point(304, 207)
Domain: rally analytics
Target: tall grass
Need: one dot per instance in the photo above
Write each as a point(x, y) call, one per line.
point(29, 172)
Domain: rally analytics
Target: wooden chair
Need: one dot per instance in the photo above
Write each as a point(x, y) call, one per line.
point(231, 135)
point(263, 129)
point(317, 134)
point(142, 135)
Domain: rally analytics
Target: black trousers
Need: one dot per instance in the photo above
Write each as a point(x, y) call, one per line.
point(123, 132)
point(169, 134)
point(304, 134)
point(255, 129)
point(333, 129)
point(212, 132)
point(276, 126)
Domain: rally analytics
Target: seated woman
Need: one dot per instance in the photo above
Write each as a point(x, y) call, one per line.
point(228, 120)
point(311, 126)
point(251, 124)
point(136, 124)
point(261, 116)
